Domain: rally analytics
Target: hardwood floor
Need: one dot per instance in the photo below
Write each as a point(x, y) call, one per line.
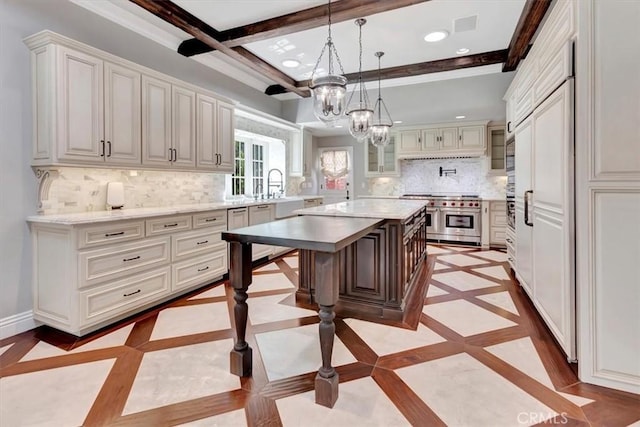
point(475, 354)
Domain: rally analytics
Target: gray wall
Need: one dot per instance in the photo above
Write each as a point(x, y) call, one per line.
point(18, 185)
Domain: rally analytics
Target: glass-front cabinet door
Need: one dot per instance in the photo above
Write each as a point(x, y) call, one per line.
point(382, 161)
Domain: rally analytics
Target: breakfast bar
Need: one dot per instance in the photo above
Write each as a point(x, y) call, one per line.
point(307, 233)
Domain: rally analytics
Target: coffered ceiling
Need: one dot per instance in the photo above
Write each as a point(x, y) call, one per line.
point(250, 39)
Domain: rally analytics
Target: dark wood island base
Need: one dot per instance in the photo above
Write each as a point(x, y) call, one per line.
point(305, 233)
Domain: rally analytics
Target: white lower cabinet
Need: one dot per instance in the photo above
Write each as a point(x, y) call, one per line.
point(88, 276)
point(259, 215)
point(498, 223)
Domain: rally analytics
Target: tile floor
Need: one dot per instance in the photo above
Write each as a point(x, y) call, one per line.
point(479, 357)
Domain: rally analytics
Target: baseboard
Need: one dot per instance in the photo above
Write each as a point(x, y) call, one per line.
point(16, 324)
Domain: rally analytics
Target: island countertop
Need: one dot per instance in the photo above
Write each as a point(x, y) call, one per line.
point(367, 208)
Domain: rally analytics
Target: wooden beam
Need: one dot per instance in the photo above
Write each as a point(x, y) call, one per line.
point(307, 19)
point(468, 61)
point(173, 14)
point(531, 17)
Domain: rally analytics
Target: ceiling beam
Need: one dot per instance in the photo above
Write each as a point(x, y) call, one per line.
point(173, 14)
point(531, 17)
point(438, 66)
point(302, 20)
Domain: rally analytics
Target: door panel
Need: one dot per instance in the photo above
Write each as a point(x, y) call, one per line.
point(156, 121)
point(184, 127)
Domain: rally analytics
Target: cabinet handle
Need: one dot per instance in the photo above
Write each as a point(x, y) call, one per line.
point(132, 293)
point(509, 240)
point(510, 259)
point(239, 211)
point(131, 259)
point(109, 144)
point(509, 126)
point(171, 154)
point(526, 208)
point(120, 233)
point(210, 219)
point(204, 269)
point(202, 243)
point(262, 207)
point(175, 224)
point(459, 137)
point(102, 142)
point(419, 140)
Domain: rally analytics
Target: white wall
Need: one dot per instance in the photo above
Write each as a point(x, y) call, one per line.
point(21, 18)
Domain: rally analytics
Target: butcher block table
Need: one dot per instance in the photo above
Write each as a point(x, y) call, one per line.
point(325, 237)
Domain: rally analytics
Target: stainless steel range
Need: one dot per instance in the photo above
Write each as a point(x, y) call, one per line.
point(452, 218)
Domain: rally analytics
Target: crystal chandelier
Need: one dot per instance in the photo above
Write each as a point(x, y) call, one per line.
point(360, 115)
point(381, 123)
point(328, 91)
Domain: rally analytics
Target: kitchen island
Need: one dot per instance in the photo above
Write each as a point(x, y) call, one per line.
point(378, 274)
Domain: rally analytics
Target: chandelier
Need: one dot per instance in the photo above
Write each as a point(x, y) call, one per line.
point(360, 115)
point(328, 91)
point(381, 122)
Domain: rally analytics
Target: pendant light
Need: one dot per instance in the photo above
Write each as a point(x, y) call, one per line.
point(360, 115)
point(328, 91)
point(381, 123)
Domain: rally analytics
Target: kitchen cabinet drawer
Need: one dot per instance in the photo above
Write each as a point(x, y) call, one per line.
point(198, 271)
point(498, 218)
point(168, 224)
point(510, 240)
point(194, 243)
point(105, 302)
point(210, 219)
point(497, 236)
point(91, 236)
point(116, 261)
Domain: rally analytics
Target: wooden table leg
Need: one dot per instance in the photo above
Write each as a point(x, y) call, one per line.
point(326, 287)
point(240, 278)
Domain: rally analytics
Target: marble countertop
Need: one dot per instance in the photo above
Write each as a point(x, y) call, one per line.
point(367, 208)
point(139, 213)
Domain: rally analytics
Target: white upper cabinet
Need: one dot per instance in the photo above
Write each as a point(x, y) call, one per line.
point(122, 108)
point(156, 121)
point(443, 141)
point(225, 136)
point(97, 110)
point(301, 154)
point(184, 128)
point(92, 108)
point(382, 161)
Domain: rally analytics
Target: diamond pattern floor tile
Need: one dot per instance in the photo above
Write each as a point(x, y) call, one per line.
point(114, 339)
point(461, 260)
point(191, 319)
point(272, 266)
point(464, 392)
point(236, 418)
point(5, 348)
point(439, 266)
point(269, 309)
point(437, 250)
point(218, 291)
point(385, 339)
point(361, 403)
point(493, 255)
point(182, 373)
point(53, 397)
point(463, 281)
point(269, 282)
point(502, 300)
point(466, 318)
point(292, 261)
point(296, 351)
point(496, 271)
point(434, 291)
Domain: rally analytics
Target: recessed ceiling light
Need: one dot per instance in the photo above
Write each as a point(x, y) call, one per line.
point(290, 63)
point(436, 36)
point(397, 121)
point(460, 117)
point(462, 51)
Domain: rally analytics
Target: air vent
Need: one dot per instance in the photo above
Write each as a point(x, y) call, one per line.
point(465, 24)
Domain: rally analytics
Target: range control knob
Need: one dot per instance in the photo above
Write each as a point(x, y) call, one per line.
point(444, 203)
point(476, 204)
point(453, 203)
point(433, 203)
point(461, 204)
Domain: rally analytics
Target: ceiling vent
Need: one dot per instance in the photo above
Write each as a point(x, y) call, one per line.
point(465, 24)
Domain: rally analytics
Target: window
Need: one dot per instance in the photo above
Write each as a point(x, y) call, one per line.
point(238, 177)
point(334, 166)
point(254, 156)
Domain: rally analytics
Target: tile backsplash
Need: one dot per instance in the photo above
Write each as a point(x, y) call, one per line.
point(423, 176)
point(85, 189)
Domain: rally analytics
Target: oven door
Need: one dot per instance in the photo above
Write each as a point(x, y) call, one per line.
point(432, 222)
point(460, 225)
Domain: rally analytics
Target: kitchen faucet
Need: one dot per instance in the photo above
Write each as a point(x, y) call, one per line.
point(271, 183)
point(259, 192)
